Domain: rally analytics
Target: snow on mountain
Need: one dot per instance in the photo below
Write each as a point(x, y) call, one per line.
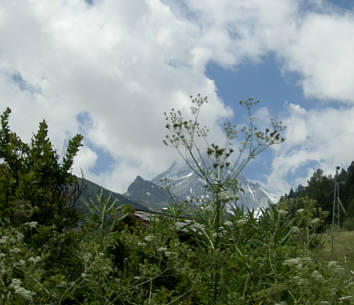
point(186, 183)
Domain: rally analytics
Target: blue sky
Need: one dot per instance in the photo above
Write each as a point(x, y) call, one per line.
point(109, 69)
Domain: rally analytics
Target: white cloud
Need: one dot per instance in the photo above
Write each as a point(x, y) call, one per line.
point(122, 62)
point(321, 137)
point(126, 62)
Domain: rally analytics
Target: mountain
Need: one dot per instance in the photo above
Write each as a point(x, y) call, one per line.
point(149, 194)
point(187, 183)
point(91, 190)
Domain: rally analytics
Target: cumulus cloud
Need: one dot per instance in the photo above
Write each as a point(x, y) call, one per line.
point(318, 138)
point(126, 62)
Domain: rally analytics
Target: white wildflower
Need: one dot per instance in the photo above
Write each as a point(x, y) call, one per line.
point(348, 297)
point(227, 196)
point(3, 240)
point(149, 238)
point(15, 250)
point(2, 255)
point(228, 224)
point(316, 275)
point(300, 211)
point(141, 244)
point(292, 262)
point(315, 221)
point(32, 224)
point(26, 294)
point(241, 222)
point(282, 212)
point(34, 260)
point(295, 230)
point(21, 262)
point(83, 275)
point(137, 278)
point(15, 282)
point(162, 249)
point(169, 253)
point(19, 236)
point(332, 264)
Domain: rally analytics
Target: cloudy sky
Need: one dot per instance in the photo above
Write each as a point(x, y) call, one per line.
point(109, 69)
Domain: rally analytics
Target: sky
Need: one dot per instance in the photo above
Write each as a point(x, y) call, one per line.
point(108, 69)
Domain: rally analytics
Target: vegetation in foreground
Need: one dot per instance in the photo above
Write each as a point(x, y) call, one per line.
point(112, 258)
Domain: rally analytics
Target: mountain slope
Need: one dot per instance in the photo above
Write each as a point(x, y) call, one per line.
point(149, 194)
point(91, 190)
point(188, 184)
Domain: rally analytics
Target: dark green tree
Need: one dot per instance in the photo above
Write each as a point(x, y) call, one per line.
point(34, 184)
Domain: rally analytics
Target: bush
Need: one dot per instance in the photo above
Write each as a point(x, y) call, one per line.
point(348, 224)
point(34, 185)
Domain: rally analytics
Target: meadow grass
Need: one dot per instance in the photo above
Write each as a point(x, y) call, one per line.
point(343, 250)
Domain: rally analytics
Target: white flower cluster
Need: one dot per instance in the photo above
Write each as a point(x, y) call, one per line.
point(24, 293)
point(241, 222)
point(292, 262)
point(31, 224)
point(3, 240)
point(149, 238)
point(282, 212)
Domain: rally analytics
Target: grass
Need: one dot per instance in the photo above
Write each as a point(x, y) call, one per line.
point(343, 251)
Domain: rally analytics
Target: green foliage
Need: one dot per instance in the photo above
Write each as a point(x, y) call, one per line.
point(216, 167)
point(321, 189)
point(188, 255)
point(34, 185)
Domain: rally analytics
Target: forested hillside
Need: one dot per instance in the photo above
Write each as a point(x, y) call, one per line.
point(320, 190)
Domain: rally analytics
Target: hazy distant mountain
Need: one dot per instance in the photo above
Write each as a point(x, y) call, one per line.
point(187, 183)
point(149, 194)
point(91, 190)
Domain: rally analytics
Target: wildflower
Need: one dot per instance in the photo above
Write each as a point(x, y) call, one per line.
point(345, 298)
point(21, 262)
point(83, 275)
point(316, 275)
point(26, 294)
point(282, 212)
point(3, 240)
point(87, 256)
point(241, 222)
point(34, 260)
point(300, 211)
point(315, 221)
point(149, 238)
point(2, 255)
point(292, 262)
point(141, 244)
point(15, 250)
point(31, 224)
point(228, 224)
point(295, 230)
point(227, 196)
point(19, 236)
point(162, 249)
point(298, 280)
point(16, 282)
point(332, 264)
